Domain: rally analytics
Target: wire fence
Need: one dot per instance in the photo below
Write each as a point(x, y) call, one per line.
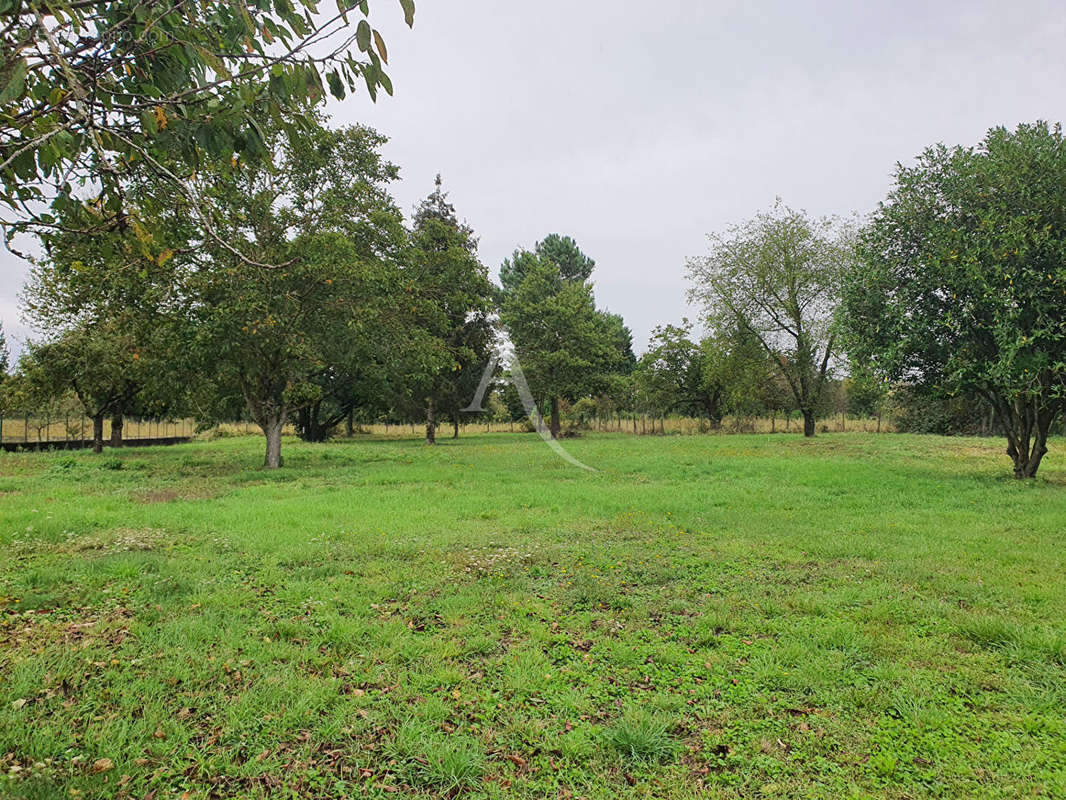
point(41, 431)
point(35, 430)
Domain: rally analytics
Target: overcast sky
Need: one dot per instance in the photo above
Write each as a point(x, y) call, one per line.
point(639, 127)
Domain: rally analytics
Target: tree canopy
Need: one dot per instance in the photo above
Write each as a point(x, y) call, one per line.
point(962, 281)
point(778, 277)
point(95, 91)
point(565, 345)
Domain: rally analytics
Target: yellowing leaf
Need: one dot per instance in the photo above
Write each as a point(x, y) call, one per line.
point(380, 44)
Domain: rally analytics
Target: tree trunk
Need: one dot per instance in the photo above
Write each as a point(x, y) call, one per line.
point(431, 421)
point(98, 433)
point(808, 422)
point(556, 426)
point(272, 425)
point(1027, 432)
point(116, 430)
point(773, 420)
point(455, 428)
point(349, 423)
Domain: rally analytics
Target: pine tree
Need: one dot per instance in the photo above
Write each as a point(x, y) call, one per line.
point(456, 297)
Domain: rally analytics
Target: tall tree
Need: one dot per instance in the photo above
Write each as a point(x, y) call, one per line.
point(457, 300)
point(338, 181)
point(564, 344)
point(280, 337)
point(962, 281)
point(93, 91)
point(4, 353)
point(778, 277)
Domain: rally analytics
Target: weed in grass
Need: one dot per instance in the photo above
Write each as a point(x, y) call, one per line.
point(641, 737)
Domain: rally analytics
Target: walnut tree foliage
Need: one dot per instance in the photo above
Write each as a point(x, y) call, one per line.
point(95, 91)
point(961, 285)
point(334, 316)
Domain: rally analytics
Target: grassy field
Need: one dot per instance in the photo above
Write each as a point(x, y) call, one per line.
point(721, 616)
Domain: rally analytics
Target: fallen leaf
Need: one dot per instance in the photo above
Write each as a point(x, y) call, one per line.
point(103, 765)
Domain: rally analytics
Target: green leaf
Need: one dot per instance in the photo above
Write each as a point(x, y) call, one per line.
point(408, 12)
point(15, 84)
point(336, 88)
point(362, 35)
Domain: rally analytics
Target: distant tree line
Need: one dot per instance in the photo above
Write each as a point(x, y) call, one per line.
point(323, 307)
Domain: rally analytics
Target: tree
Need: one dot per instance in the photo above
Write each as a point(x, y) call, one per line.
point(284, 338)
point(4, 354)
point(672, 375)
point(338, 181)
point(94, 91)
point(564, 344)
point(114, 281)
point(268, 336)
point(457, 300)
point(778, 277)
point(101, 364)
point(962, 281)
point(561, 251)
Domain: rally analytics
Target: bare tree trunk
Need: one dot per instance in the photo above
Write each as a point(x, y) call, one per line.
point(98, 433)
point(773, 420)
point(556, 425)
point(349, 423)
point(116, 430)
point(431, 421)
point(808, 422)
point(455, 428)
point(272, 425)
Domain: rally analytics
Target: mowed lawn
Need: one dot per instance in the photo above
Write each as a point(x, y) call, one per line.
point(706, 616)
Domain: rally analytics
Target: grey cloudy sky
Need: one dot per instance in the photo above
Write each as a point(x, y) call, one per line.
point(638, 128)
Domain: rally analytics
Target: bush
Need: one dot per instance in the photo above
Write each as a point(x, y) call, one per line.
point(923, 411)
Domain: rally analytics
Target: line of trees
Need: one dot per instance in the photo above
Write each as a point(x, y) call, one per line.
point(212, 248)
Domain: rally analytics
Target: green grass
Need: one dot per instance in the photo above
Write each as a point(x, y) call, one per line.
point(725, 617)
